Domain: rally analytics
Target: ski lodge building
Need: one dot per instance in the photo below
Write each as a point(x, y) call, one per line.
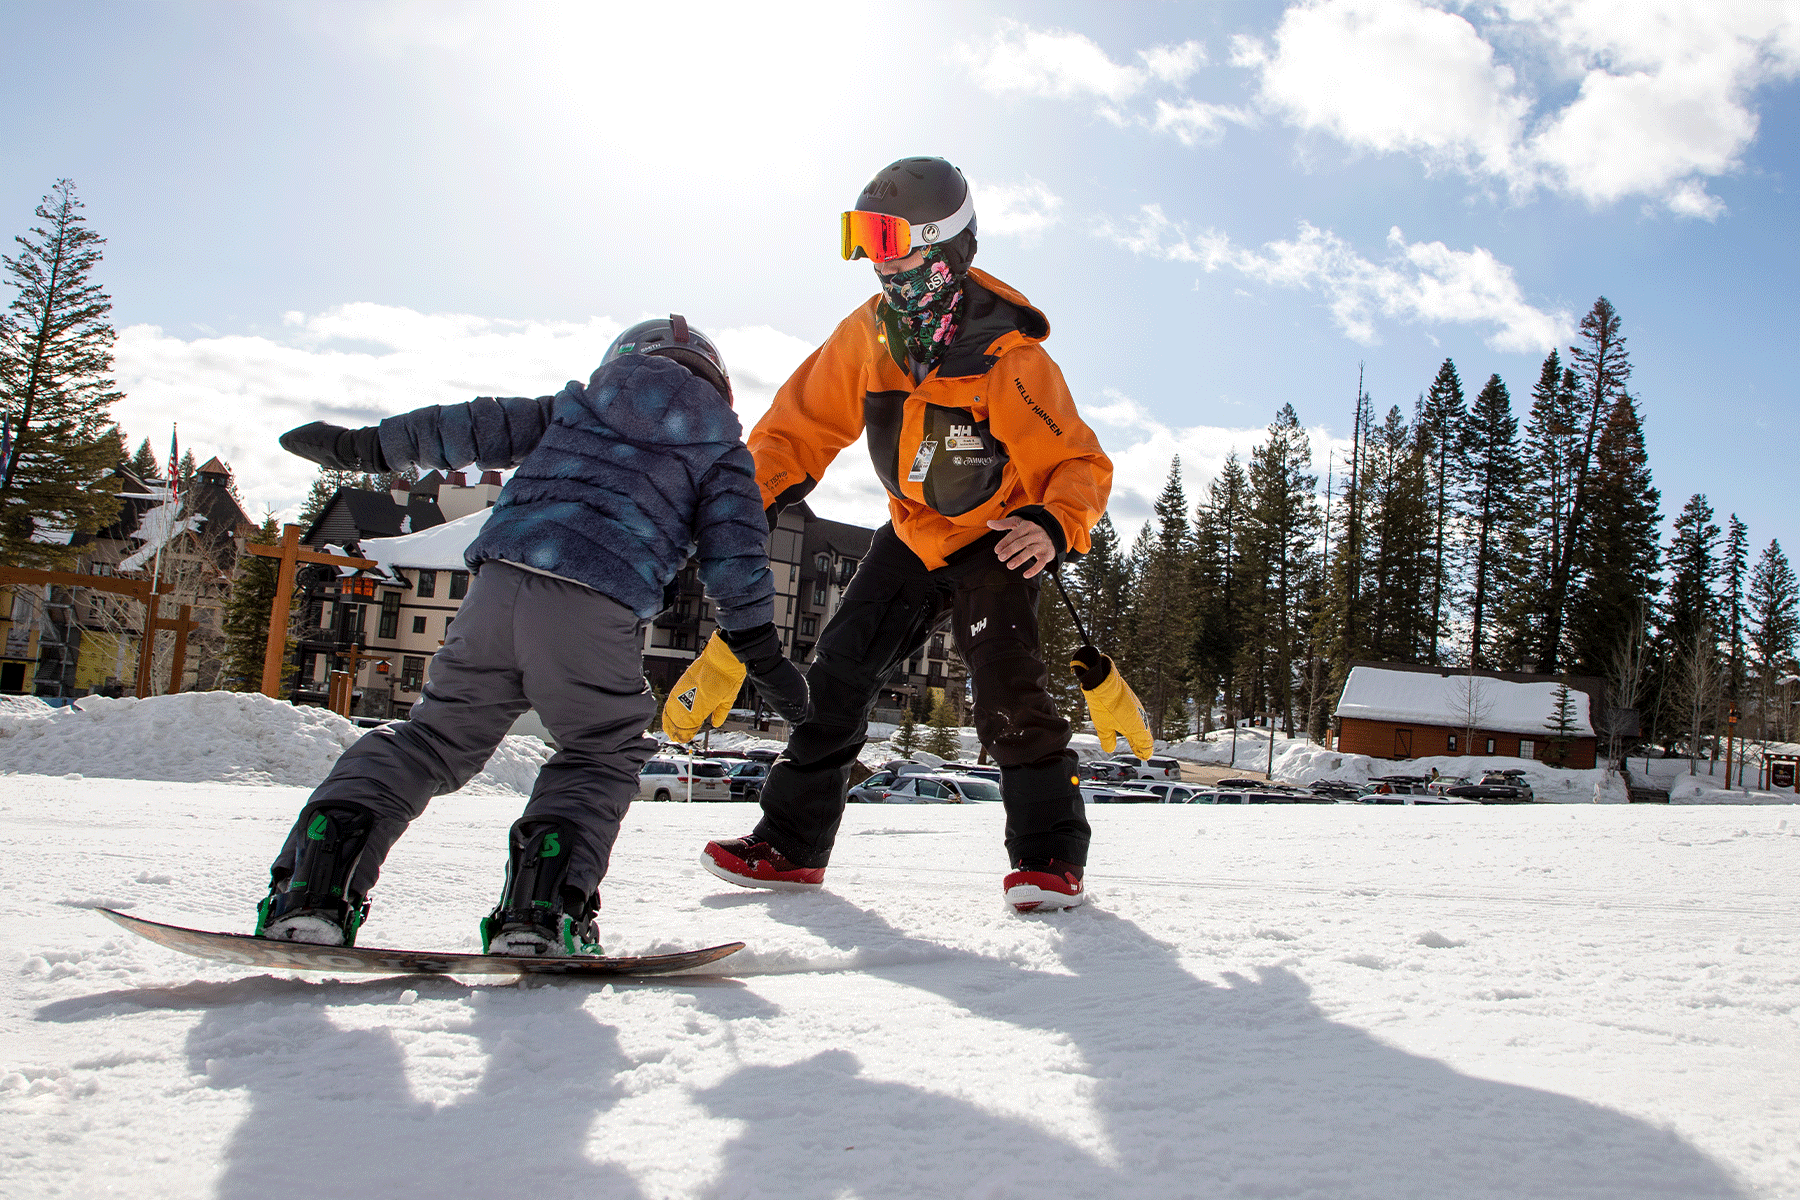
point(1399, 711)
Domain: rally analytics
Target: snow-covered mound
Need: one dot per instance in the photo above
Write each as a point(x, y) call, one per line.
point(209, 737)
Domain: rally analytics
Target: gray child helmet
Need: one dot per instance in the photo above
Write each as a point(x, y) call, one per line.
point(671, 337)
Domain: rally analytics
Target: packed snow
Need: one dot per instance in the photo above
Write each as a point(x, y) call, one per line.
point(1330, 1002)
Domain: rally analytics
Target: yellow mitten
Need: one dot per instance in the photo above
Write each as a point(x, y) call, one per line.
point(1111, 703)
point(706, 688)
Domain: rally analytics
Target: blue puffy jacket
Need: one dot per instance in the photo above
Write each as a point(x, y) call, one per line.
point(619, 483)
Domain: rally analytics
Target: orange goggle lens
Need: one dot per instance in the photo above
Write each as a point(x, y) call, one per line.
point(877, 235)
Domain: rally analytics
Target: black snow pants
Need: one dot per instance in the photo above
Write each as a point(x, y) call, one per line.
point(888, 611)
point(521, 640)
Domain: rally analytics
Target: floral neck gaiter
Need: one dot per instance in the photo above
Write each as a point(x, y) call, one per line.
point(926, 300)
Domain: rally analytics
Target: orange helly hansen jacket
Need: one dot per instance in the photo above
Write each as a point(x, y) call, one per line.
point(991, 432)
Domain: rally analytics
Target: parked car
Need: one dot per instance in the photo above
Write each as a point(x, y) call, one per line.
point(1263, 795)
point(979, 771)
point(872, 790)
point(683, 778)
point(1491, 793)
point(1512, 777)
point(1104, 770)
point(1118, 793)
point(942, 788)
point(1113, 793)
point(1155, 767)
point(1246, 784)
point(1445, 782)
point(746, 778)
point(1335, 789)
point(1163, 790)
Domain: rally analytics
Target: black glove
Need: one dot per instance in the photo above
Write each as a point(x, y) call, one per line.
point(778, 680)
point(338, 448)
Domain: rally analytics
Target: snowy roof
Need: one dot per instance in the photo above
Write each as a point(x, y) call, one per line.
point(1374, 694)
point(439, 548)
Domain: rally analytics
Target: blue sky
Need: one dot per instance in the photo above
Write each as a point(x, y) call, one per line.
point(349, 210)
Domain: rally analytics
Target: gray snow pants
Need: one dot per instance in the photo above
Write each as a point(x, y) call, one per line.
point(521, 640)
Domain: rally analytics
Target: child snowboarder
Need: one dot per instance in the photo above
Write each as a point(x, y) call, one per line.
point(619, 482)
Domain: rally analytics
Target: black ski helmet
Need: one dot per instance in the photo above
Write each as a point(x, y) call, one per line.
point(925, 192)
point(671, 337)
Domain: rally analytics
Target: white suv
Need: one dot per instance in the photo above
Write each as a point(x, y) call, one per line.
point(684, 779)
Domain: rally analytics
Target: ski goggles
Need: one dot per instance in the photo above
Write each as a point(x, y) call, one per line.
point(881, 237)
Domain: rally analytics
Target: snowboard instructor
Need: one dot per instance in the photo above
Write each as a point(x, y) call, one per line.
point(991, 475)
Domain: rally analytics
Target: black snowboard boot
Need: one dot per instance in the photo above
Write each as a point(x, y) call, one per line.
point(313, 902)
point(538, 913)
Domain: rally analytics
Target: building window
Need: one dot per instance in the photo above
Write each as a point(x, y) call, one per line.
point(427, 584)
point(1527, 748)
point(793, 572)
point(809, 626)
point(1453, 743)
point(418, 624)
point(459, 584)
point(819, 595)
point(823, 563)
point(1490, 745)
point(390, 615)
point(937, 645)
point(412, 673)
point(447, 621)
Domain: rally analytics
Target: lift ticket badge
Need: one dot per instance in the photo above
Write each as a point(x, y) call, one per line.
point(921, 462)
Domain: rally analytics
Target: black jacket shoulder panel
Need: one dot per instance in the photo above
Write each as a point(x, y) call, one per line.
point(986, 317)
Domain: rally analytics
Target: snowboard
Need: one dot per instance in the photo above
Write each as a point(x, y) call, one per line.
point(240, 949)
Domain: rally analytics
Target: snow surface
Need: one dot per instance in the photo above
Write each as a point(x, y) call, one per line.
point(1333, 1003)
point(1373, 694)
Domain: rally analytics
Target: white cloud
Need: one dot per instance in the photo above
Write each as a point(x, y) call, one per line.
point(1048, 62)
point(1141, 449)
point(1662, 96)
point(1426, 282)
point(1390, 75)
point(1018, 210)
point(1055, 64)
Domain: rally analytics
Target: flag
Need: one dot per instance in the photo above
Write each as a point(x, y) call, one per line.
point(174, 464)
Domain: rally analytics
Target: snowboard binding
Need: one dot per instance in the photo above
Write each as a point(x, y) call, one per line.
point(539, 914)
point(312, 902)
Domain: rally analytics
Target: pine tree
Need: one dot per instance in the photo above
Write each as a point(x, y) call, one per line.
point(246, 620)
point(1775, 624)
point(1440, 424)
point(55, 391)
point(1490, 446)
point(1217, 565)
point(1617, 548)
point(1731, 598)
point(1163, 600)
point(1397, 621)
point(1601, 368)
point(1552, 444)
point(945, 738)
point(1100, 582)
point(906, 738)
point(144, 464)
point(1692, 566)
point(1561, 726)
point(1280, 544)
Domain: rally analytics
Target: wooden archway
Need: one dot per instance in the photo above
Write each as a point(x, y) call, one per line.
point(140, 590)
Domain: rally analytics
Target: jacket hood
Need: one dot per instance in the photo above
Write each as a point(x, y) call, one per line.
point(656, 401)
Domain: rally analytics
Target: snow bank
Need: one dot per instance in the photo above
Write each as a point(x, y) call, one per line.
point(209, 737)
